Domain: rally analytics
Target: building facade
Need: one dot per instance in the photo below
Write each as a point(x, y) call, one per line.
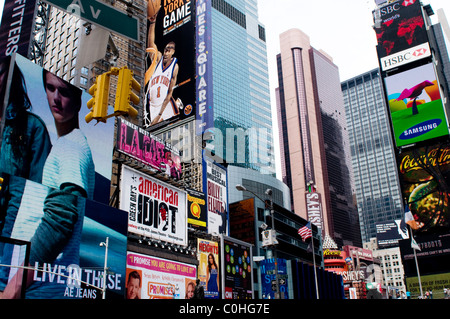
point(313, 137)
point(377, 188)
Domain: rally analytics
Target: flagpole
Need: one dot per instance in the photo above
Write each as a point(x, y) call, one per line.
point(314, 262)
point(417, 264)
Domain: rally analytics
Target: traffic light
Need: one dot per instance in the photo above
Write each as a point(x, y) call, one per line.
point(99, 102)
point(126, 85)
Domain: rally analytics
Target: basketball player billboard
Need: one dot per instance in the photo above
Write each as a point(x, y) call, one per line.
point(170, 63)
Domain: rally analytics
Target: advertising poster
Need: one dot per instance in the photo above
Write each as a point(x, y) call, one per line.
point(215, 188)
point(423, 174)
point(415, 106)
point(149, 277)
point(237, 266)
point(45, 134)
point(64, 231)
point(148, 149)
point(208, 267)
point(156, 210)
point(399, 26)
point(268, 278)
point(16, 27)
point(197, 215)
point(388, 234)
point(170, 64)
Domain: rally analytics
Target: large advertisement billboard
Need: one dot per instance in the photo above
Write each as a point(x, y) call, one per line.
point(16, 28)
point(399, 26)
point(209, 267)
point(423, 174)
point(197, 214)
point(389, 233)
point(170, 64)
point(45, 137)
point(149, 277)
point(238, 271)
point(65, 232)
point(156, 210)
point(415, 106)
point(215, 188)
point(150, 150)
point(269, 277)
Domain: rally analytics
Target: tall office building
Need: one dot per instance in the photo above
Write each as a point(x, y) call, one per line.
point(241, 84)
point(377, 188)
point(313, 138)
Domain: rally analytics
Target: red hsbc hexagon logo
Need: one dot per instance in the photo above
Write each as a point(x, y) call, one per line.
point(420, 52)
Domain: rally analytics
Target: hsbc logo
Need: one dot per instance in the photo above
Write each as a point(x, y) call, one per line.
point(404, 57)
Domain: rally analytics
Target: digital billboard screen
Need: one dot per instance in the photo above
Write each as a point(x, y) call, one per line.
point(415, 105)
point(399, 26)
point(423, 174)
point(64, 231)
point(169, 86)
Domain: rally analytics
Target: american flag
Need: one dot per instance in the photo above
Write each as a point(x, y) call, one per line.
point(305, 232)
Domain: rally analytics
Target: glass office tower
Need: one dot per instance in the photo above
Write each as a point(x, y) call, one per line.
point(241, 85)
point(377, 188)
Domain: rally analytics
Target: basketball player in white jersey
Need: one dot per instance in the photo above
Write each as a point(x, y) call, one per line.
point(163, 72)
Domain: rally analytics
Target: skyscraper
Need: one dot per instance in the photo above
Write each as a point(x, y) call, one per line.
point(241, 85)
point(377, 188)
point(313, 138)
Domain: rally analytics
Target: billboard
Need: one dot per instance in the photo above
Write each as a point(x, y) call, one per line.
point(197, 215)
point(314, 209)
point(149, 277)
point(215, 188)
point(208, 267)
point(16, 28)
point(45, 137)
point(237, 260)
point(156, 210)
point(415, 106)
point(399, 26)
point(64, 231)
point(423, 174)
point(388, 234)
point(204, 79)
point(170, 65)
point(137, 143)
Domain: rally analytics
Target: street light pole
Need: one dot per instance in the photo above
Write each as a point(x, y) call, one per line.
point(269, 193)
point(105, 266)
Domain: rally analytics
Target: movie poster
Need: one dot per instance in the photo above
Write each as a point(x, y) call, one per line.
point(170, 64)
point(156, 210)
point(149, 277)
point(209, 267)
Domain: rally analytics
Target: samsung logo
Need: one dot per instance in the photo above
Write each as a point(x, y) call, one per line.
point(420, 129)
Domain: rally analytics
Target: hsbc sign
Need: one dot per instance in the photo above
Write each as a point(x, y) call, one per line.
point(404, 57)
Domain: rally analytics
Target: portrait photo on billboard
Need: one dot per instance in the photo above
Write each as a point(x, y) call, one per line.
point(45, 137)
point(169, 85)
point(209, 267)
point(399, 26)
point(64, 231)
point(415, 105)
point(149, 277)
point(424, 174)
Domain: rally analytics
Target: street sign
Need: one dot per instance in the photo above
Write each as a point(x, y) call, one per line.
point(101, 14)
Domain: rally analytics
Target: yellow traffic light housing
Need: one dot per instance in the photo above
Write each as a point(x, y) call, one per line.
point(98, 104)
point(126, 85)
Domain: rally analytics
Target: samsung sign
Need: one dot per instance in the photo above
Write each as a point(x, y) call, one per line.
point(404, 57)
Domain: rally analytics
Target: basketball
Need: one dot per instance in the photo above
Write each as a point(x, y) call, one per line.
point(153, 7)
